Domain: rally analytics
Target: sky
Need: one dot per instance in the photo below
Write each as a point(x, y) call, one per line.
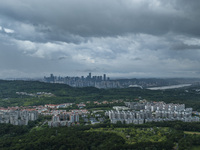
point(122, 38)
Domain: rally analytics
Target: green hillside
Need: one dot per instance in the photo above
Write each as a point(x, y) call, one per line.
point(64, 93)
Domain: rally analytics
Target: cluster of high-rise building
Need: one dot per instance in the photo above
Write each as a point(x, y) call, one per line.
point(161, 106)
point(64, 119)
point(153, 106)
point(18, 117)
point(94, 81)
point(152, 111)
point(136, 117)
point(77, 81)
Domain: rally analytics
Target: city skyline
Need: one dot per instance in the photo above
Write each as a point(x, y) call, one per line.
point(87, 77)
point(130, 39)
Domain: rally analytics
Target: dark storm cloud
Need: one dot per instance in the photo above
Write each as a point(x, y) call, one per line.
point(55, 19)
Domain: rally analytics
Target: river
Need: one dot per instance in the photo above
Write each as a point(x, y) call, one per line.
point(169, 87)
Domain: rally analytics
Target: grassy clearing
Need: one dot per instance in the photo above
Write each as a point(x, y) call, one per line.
point(195, 148)
point(99, 108)
point(135, 135)
point(189, 132)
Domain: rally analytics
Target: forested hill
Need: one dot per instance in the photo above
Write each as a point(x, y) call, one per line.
point(63, 93)
point(9, 88)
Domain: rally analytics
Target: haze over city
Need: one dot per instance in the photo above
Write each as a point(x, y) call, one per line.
point(122, 38)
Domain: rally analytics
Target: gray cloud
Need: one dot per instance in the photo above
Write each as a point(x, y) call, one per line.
point(134, 38)
point(182, 46)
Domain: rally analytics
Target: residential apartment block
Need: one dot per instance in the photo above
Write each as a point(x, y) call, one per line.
point(140, 113)
point(18, 117)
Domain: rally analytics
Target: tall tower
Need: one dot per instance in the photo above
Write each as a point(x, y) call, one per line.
point(90, 75)
point(104, 77)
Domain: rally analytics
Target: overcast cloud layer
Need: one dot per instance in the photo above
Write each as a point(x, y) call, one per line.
point(123, 38)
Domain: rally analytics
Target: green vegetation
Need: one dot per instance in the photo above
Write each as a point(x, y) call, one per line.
point(138, 135)
point(102, 136)
point(81, 137)
point(64, 93)
point(150, 136)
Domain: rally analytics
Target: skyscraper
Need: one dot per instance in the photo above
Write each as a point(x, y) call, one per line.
point(90, 75)
point(104, 77)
